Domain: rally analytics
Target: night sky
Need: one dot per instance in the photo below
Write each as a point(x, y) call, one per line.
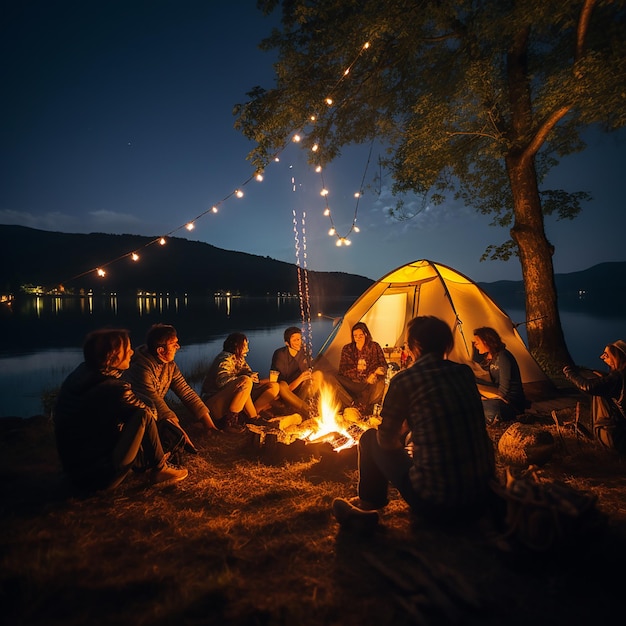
point(117, 118)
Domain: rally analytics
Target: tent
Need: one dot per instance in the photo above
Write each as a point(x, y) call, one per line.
point(427, 288)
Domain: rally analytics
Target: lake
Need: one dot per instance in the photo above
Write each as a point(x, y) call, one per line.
point(42, 337)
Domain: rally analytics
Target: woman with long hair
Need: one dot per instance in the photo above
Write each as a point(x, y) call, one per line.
point(231, 387)
point(506, 394)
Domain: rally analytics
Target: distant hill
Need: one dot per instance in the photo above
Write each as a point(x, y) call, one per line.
point(51, 259)
point(600, 289)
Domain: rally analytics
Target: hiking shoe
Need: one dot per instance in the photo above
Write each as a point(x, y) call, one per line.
point(168, 475)
point(233, 424)
point(364, 505)
point(259, 420)
point(353, 518)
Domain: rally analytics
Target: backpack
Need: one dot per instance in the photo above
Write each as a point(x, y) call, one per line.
point(543, 515)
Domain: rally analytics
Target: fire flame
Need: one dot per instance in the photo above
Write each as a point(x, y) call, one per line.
point(328, 423)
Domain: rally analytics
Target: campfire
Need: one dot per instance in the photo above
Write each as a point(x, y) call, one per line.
point(328, 424)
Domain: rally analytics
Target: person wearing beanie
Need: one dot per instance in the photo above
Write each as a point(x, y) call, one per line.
point(608, 406)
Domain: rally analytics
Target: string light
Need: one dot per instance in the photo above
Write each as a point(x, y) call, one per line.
point(297, 137)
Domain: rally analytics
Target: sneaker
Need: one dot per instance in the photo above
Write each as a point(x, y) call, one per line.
point(232, 424)
point(353, 518)
point(259, 420)
point(364, 505)
point(168, 475)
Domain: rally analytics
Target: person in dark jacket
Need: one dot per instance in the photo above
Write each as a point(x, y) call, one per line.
point(505, 393)
point(608, 408)
point(153, 373)
point(102, 428)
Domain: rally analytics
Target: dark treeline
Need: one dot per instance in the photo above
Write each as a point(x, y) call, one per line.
point(51, 259)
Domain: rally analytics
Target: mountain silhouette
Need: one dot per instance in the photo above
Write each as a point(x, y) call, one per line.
point(68, 261)
point(52, 259)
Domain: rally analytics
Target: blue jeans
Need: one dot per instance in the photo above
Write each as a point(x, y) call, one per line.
point(497, 410)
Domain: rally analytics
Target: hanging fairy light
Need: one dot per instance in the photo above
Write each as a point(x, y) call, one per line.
point(297, 137)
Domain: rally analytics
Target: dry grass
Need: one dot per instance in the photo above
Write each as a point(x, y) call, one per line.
point(249, 540)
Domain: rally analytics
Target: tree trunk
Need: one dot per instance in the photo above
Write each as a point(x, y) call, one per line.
point(545, 334)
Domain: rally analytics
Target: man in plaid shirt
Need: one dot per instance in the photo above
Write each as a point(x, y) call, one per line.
point(448, 472)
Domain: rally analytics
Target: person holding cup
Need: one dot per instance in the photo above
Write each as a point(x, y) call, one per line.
point(298, 383)
point(234, 393)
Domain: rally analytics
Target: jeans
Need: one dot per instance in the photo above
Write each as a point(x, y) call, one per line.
point(360, 392)
point(139, 444)
point(379, 467)
point(498, 411)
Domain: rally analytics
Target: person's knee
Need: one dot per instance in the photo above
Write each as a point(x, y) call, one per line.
point(243, 383)
point(317, 378)
point(274, 389)
point(368, 438)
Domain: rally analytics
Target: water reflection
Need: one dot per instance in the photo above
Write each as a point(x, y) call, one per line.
point(42, 336)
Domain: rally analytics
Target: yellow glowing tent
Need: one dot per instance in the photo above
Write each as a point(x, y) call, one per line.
point(427, 288)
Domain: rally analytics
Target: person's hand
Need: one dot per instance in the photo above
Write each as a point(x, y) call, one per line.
point(371, 379)
point(255, 377)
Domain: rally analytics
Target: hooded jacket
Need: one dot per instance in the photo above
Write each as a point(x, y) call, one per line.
point(89, 411)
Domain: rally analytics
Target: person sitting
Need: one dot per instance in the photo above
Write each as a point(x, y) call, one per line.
point(503, 395)
point(608, 407)
point(102, 429)
point(298, 383)
point(231, 387)
point(447, 475)
point(153, 373)
point(360, 380)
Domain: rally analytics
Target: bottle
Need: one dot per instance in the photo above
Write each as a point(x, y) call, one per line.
point(403, 358)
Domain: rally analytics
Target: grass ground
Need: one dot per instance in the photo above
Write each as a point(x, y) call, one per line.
point(248, 539)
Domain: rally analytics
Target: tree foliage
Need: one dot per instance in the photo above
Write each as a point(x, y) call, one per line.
point(475, 100)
